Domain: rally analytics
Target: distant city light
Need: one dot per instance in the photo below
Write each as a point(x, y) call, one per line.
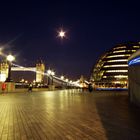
point(22, 80)
point(53, 73)
point(62, 77)
point(49, 72)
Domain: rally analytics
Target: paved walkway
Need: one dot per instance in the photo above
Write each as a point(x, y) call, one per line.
point(68, 115)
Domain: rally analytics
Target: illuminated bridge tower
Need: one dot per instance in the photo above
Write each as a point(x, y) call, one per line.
point(40, 69)
point(3, 71)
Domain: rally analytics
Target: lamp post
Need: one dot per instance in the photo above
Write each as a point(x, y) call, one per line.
point(9, 58)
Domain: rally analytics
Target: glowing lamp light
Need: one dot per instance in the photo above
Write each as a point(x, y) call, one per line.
point(67, 80)
point(52, 73)
point(62, 77)
point(10, 58)
point(22, 80)
point(49, 72)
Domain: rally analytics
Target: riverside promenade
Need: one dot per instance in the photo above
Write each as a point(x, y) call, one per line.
point(68, 115)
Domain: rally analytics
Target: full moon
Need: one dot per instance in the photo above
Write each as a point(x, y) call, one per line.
point(61, 34)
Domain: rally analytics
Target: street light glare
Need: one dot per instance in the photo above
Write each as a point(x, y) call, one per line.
point(62, 77)
point(10, 58)
point(53, 73)
point(49, 72)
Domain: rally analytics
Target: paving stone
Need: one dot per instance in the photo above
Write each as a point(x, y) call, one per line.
point(68, 115)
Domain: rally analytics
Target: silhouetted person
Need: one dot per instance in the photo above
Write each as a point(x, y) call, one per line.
point(30, 87)
point(90, 88)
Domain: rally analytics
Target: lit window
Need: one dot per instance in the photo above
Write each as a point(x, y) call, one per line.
point(121, 76)
point(116, 71)
point(107, 66)
point(119, 60)
point(119, 51)
point(136, 46)
point(133, 50)
point(117, 82)
point(122, 47)
point(121, 55)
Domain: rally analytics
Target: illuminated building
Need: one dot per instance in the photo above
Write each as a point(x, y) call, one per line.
point(111, 70)
point(40, 68)
point(28, 73)
point(3, 71)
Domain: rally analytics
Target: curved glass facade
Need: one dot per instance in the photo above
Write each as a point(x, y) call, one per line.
point(111, 70)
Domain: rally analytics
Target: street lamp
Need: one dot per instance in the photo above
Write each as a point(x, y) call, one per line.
point(9, 58)
point(67, 80)
point(62, 77)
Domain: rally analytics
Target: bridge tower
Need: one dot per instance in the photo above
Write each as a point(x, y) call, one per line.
point(82, 81)
point(40, 69)
point(3, 71)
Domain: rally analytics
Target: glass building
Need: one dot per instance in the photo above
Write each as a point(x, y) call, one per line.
point(111, 70)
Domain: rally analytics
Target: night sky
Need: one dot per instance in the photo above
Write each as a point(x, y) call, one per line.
point(28, 29)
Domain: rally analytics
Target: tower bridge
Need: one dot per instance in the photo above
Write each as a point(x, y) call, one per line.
point(38, 70)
